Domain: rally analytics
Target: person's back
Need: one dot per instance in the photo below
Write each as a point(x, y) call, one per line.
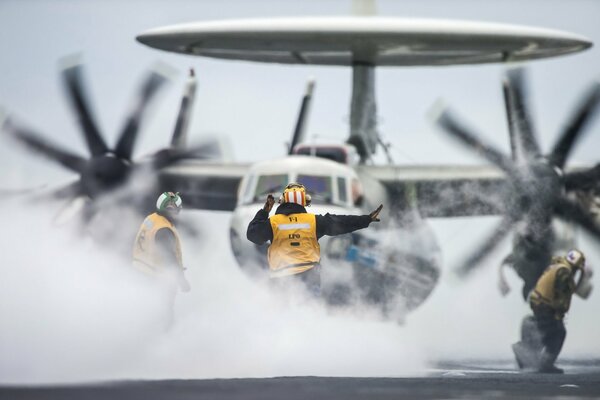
point(157, 249)
point(554, 289)
point(157, 245)
point(294, 252)
point(294, 248)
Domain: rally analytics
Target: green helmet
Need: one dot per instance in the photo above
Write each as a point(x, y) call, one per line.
point(169, 201)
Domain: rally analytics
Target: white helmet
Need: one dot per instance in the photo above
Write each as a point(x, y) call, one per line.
point(169, 201)
point(295, 193)
point(575, 258)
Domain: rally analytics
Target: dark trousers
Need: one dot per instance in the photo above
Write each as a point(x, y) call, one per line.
point(552, 334)
point(542, 338)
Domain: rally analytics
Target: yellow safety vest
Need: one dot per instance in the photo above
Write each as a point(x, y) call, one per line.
point(544, 291)
point(294, 248)
point(146, 255)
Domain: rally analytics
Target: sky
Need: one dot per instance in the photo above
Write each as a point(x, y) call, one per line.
point(255, 106)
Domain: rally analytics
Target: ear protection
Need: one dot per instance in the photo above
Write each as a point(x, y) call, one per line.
point(295, 193)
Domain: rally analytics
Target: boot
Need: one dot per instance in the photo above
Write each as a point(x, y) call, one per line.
point(517, 356)
point(547, 363)
point(551, 369)
point(525, 356)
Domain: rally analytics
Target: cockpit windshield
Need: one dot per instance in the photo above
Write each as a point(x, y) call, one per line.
point(269, 184)
point(320, 188)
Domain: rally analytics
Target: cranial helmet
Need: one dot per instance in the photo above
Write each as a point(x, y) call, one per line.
point(575, 258)
point(295, 193)
point(169, 201)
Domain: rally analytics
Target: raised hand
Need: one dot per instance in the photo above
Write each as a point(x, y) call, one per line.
point(375, 214)
point(269, 203)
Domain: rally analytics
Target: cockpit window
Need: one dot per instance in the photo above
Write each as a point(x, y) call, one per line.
point(269, 184)
point(342, 189)
point(319, 188)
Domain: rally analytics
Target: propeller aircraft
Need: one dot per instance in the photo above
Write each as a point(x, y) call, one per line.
point(396, 268)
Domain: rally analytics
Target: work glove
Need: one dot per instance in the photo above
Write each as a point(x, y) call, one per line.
point(375, 214)
point(269, 203)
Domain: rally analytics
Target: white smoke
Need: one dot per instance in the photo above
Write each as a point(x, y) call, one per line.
point(74, 311)
point(66, 305)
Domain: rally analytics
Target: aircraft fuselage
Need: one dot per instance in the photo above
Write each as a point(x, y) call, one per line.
point(392, 266)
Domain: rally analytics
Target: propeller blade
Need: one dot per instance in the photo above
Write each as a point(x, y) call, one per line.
point(583, 180)
point(70, 190)
point(452, 126)
point(210, 150)
point(78, 210)
point(509, 107)
point(72, 76)
point(44, 147)
point(568, 210)
point(521, 119)
point(474, 261)
point(67, 192)
point(298, 135)
point(179, 138)
point(124, 148)
point(8, 193)
point(575, 127)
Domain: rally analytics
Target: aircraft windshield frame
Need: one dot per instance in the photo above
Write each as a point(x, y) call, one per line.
point(320, 187)
point(269, 184)
point(323, 188)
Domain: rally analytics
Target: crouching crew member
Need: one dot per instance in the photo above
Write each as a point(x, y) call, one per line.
point(294, 252)
point(543, 334)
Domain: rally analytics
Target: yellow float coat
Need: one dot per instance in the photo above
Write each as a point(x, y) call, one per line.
point(146, 254)
point(294, 248)
point(545, 289)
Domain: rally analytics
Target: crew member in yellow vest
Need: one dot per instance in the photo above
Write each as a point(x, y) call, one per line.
point(543, 334)
point(157, 248)
point(294, 253)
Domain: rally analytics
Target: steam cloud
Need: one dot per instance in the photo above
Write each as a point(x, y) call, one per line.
point(73, 310)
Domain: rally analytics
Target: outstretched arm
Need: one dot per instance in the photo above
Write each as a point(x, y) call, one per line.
point(331, 225)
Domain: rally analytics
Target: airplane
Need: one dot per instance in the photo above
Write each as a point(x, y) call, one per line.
point(395, 268)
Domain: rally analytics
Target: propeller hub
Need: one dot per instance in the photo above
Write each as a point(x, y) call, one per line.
point(103, 174)
point(537, 188)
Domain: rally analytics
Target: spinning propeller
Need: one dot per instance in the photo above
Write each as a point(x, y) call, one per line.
point(537, 187)
point(107, 169)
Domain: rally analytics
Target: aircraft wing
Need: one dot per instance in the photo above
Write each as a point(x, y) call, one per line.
point(442, 191)
point(205, 185)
